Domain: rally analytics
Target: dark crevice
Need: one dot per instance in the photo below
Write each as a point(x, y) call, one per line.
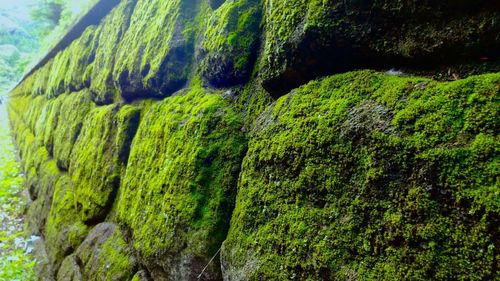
point(66, 254)
point(101, 217)
point(80, 264)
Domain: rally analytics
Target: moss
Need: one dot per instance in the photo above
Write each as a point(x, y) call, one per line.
point(73, 110)
point(64, 231)
point(154, 56)
point(99, 158)
point(251, 101)
point(69, 66)
point(41, 128)
point(111, 31)
point(408, 189)
point(308, 39)
point(115, 259)
point(38, 212)
point(179, 187)
point(230, 43)
point(40, 78)
point(105, 255)
point(34, 110)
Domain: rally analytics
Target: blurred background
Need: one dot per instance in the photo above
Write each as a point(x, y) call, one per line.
point(28, 29)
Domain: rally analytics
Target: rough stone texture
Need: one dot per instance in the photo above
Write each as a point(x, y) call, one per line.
point(141, 276)
point(360, 175)
point(103, 255)
point(38, 211)
point(309, 38)
point(351, 176)
point(43, 268)
point(65, 230)
point(230, 44)
point(99, 159)
point(178, 197)
point(70, 270)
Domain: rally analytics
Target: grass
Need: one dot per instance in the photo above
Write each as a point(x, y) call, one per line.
point(15, 261)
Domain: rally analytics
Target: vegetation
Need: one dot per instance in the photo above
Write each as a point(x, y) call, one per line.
point(370, 176)
point(181, 202)
point(230, 43)
point(194, 140)
point(15, 261)
point(23, 41)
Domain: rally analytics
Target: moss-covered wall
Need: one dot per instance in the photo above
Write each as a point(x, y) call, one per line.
point(235, 140)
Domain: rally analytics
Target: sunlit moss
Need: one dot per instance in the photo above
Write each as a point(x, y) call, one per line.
point(229, 47)
point(369, 176)
point(74, 109)
point(99, 157)
point(178, 191)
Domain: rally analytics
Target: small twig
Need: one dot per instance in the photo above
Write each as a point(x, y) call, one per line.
point(209, 262)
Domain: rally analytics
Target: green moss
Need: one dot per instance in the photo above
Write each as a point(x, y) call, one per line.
point(105, 255)
point(111, 30)
point(306, 39)
point(47, 175)
point(115, 260)
point(154, 55)
point(99, 158)
point(251, 102)
point(34, 111)
point(41, 124)
point(64, 231)
point(178, 190)
point(230, 42)
point(69, 66)
point(369, 176)
point(73, 110)
point(39, 80)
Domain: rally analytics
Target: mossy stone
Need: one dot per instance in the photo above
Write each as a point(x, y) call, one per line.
point(306, 39)
point(178, 191)
point(99, 158)
point(73, 110)
point(105, 255)
point(370, 176)
point(230, 44)
point(103, 88)
point(155, 54)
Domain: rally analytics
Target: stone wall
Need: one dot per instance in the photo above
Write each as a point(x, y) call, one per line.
point(239, 140)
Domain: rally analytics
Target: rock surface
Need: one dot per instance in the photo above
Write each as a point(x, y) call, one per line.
point(230, 140)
